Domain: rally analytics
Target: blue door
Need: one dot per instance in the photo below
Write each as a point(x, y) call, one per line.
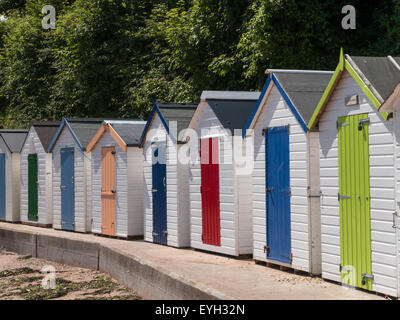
point(67, 189)
point(278, 194)
point(159, 191)
point(2, 186)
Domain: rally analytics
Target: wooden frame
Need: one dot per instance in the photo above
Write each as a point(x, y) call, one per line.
point(102, 130)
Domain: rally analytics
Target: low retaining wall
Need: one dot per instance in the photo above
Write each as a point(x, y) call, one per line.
point(149, 281)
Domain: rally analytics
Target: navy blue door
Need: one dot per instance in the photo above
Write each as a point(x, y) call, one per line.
point(67, 189)
point(2, 186)
point(159, 172)
point(278, 194)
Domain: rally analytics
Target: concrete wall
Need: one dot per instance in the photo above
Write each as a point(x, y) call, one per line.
point(149, 281)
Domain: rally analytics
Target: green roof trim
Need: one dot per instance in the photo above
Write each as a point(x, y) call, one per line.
point(343, 65)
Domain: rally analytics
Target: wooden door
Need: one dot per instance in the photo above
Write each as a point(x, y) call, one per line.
point(67, 189)
point(2, 186)
point(354, 201)
point(278, 194)
point(159, 190)
point(211, 225)
point(33, 187)
point(108, 190)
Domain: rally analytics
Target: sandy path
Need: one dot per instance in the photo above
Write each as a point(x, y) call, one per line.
point(21, 278)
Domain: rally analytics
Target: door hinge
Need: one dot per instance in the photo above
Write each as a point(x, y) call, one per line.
point(394, 220)
point(165, 233)
point(339, 125)
point(155, 234)
point(266, 248)
point(340, 197)
point(291, 258)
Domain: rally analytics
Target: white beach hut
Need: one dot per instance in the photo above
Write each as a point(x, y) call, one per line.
point(72, 174)
point(285, 180)
point(220, 187)
point(357, 161)
point(117, 179)
point(11, 142)
point(36, 174)
point(166, 179)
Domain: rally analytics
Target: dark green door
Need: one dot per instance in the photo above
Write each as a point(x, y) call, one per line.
point(354, 201)
point(32, 187)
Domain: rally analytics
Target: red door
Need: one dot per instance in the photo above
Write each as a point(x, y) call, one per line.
point(211, 233)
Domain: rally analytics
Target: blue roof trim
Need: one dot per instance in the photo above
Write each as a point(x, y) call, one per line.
point(272, 78)
point(264, 90)
point(149, 120)
point(60, 128)
point(290, 104)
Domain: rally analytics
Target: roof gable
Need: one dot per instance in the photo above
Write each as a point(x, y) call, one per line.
point(373, 86)
point(301, 90)
point(182, 113)
point(126, 133)
point(14, 139)
point(46, 130)
point(82, 130)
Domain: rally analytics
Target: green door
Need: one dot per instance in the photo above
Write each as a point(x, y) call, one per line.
point(354, 201)
point(32, 187)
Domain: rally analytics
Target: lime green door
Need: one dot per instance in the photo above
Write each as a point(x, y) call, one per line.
point(32, 187)
point(354, 201)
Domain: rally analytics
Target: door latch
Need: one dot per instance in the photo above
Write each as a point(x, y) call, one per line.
point(362, 122)
point(366, 276)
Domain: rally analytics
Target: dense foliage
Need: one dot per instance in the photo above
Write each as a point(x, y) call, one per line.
point(114, 57)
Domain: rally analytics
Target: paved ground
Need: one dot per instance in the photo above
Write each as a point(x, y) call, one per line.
point(21, 278)
point(229, 278)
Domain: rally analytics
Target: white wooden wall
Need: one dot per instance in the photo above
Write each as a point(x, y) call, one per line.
point(232, 242)
point(81, 174)
point(33, 145)
point(177, 189)
point(129, 200)
point(274, 114)
point(382, 184)
point(9, 180)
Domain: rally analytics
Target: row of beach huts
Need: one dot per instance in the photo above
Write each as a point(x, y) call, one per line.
point(321, 193)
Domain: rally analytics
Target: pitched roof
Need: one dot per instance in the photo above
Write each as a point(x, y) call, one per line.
point(376, 76)
point(182, 113)
point(130, 131)
point(304, 89)
point(14, 139)
point(232, 108)
point(381, 72)
point(45, 131)
point(84, 129)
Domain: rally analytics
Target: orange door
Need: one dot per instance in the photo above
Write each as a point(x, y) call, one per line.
point(108, 190)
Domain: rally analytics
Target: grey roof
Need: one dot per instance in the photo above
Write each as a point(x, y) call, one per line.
point(304, 89)
point(129, 130)
point(84, 129)
point(14, 139)
point(231, 110)
point(381, 72)
point(229, 95)
point(46, 130)
point(182, 113)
